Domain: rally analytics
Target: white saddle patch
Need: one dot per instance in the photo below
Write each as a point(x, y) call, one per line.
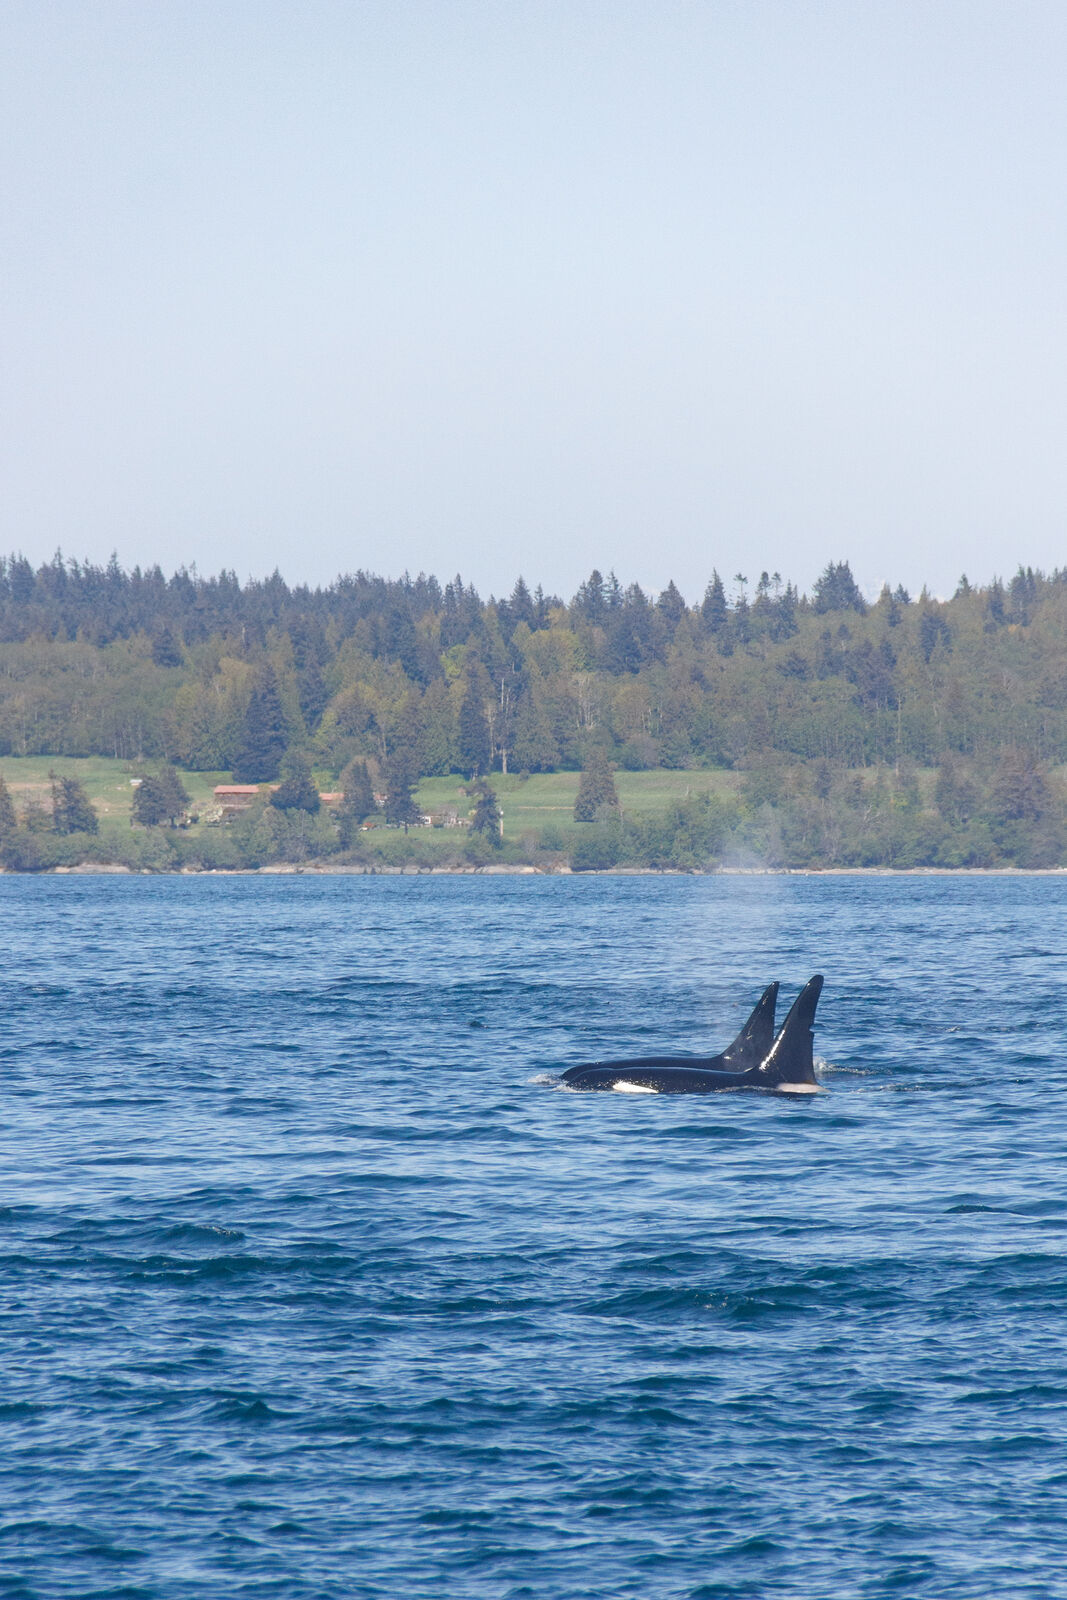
point(797, 1088)
point(622, 1086)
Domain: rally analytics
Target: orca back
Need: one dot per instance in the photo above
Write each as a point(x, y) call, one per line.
point(748, 1050)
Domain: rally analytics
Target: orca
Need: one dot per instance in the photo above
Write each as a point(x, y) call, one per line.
point(758, 1059)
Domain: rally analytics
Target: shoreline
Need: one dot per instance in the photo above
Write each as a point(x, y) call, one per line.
point(518, 870)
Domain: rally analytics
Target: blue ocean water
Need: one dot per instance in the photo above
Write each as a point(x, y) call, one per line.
point(313, 1285)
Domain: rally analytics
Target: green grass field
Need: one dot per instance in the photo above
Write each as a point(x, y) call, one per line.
point(547, 798)
point(107, 783)
point(528, 805)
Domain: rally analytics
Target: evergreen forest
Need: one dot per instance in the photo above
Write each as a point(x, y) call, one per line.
point(910, 731)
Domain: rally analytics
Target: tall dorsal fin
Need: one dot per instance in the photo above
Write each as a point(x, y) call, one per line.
point(789, 1059)
point(754, 1041)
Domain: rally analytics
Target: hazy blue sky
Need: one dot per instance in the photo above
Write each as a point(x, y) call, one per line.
point(515, 286)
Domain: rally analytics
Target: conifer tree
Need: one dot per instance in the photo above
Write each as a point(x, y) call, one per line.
point(535, 748)
point(160, 797)
point(358, 791)
point(714, 610)
point(486, 818)
point(263, 732)
point(742, 616)
point(400, 807)
point(590, 601)
point(7, 811)
point(175, 794)
point(836, 590)
point(72, 810)
point(357, 801)
point(520, 606)
point(475, 748)
point(150, 802)
point(166, 648)
point(436, 730)
point(297, 791)
point(596, 788)
point(671, 605)
point(313, 694)
point(785, 622)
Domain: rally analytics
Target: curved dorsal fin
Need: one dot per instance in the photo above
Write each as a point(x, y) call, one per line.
point(789, 1059)
point(756, 1038)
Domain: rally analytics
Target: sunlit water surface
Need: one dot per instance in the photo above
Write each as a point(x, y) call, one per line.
point(313, 1286)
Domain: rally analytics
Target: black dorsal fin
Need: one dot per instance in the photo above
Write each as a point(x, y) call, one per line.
point(756, 1038)
point(789, 1059)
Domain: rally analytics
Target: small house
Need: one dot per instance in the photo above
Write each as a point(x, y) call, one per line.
point(233, 798)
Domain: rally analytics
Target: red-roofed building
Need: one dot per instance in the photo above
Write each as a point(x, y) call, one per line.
point(235, 797)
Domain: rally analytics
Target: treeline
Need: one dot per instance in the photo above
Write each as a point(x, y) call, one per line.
point(827, 705)
point(204, 671)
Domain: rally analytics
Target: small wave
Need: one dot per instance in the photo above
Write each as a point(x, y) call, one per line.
point(11, 1409)
point(247, 1408)
point(202, 1231)
point(456, 1517)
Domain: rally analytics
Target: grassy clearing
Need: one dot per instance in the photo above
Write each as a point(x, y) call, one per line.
point(107, 783)
point(539, 827)
point(547, 798)
point(543, 800)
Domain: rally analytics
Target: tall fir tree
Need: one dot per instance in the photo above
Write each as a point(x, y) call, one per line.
point(357, 801)
point(535, 748)
point(836, 590)
point(313, 694)
point(437, 730)
point(596, 788)
point(486, 818)
point(714, 611)
point(357, 789)
point(175, 794)
point(475, 746)
point(297, 791)
point(166, 648)
point(400, 807)
point(521, 606)
point(263, 732)
point(671, 606)
point(8, 821)
point(7, 811)
point(72, 810)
